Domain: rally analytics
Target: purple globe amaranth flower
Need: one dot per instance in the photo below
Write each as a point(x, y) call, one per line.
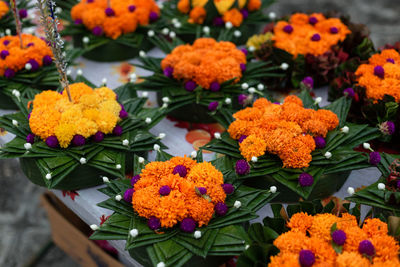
point(30, 44)
point(154, 223)
point(35, 65)
point(135, 179)
point(78, 22)
point(202, 190)
point(349, 92)
point(110, 12)
point(221, 208)
point(306, 179)
point(306, 258)
point(123, 114)
point(190, 86)
point(98, 137)
point(78, 140)
point(23, 13)
point(228, 188)
point(390, 60)
point(4, 54)
point(242, 99)
point(387, 127)
point(98, 31)
point(379, 71)
point(6, 42)
point(374, 158)
point(313, 20)
point(29, 115)
point(188, 225)
point(90, 1)
point(52, 141)
point(117, 131)
point(47, 60)
point(308, 82)
point(339, 237)
point(181, 170)
point(288, 28)
point(243, 67)
point(131, 8)
point(334, 30)
point(213, 106)
point(316, 37)
point(128, 195)
point(164, 190)
point(245, 13)
point(218, 21)
point(242, 167)
point(245, 52)
point(9, 73)
point(366, 247)
point(242, 137)
point(319, 142)
point(153, 16)
point(215, 87)
point(398, 184)
point(30, 138)
point(168, 72)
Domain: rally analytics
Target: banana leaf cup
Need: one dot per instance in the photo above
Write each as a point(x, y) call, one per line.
point(326, 169)
point(317, 46)
point(233, 21)
point(339, 235)
point(151, 244)
point(217, 85)
point(84, 161)
point(384, 194)
point(119, 36)
point(7, 22)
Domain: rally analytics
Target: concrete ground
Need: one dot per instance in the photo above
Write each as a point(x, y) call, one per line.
point(23, 224)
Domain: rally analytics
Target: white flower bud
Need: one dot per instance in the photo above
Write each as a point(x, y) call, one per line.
point(118, 197)
point(318, 100)
point(118, 166)
point(69, 72)
point(82, 160)
point(105, 179)
point(28, 146)
point(273, 189)
point(165, 105)
point(156, 147)
point(165, 99)
point(148, 120)
point(193, 154)
point(260, 87)
point(328, 155)
point(246, 247)
point(125, 142)
point(7, 32)
point(350, 191)
point(133, 78)
point(48, 176)
point(252, 90)
point(15, 123)
point(381, 186)
point(165, 31)
point(161, 264)
point(28, 66)
point(162, 135)
point(284, 66)
point(245, 86)
point(174, 20)
point(206, 29)
point(104, 81)
point(79, 72)
point(85, 40)
point(217, 135)
point(142, 53)
point(272, 15)
point(237, 204)
point(177, 25)
point(172, 35)
point(16, 93)
point(228, 25)
point(134, 232)
point(94, 227)
point(58, 10)
point(254, 159)
point(140, 160)
point(150, 33)
point(228, 101)
point(197, 234)
point(145, 94)
point(367, 146)
point(237, 33)
point(252, 48)
point(345, 129)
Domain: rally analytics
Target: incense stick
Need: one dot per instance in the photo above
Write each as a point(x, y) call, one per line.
point(17, 21)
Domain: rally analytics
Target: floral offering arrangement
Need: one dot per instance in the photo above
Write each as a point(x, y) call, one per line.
point(7, 22)
point(322, 238)
point(109, 30)
point(179, 203)
point(374, 88)
point(384, 194)
point(197, 81)
point(235, 20)
point(314, 45)
point(295, 146)
point(59, 139)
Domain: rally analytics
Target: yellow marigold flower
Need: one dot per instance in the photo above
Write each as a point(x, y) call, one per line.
point(105, 93)
point(106, 121)
point(252, 146)
point(201, 3)
point(90, 101)
point(65, 133)
point(71, 115)
point(300, 221)
point(46, 98)
point(43, 121)
point(223, 5)
point(111, 106)
point(86, 127)
point(77, 90)
point(91, 114)
point(257, 40)
point(353, 259)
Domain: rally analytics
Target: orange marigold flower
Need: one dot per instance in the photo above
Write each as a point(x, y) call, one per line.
point(183, 6)
point(322, 224)
point(3, 8)
point(197, 15)
point(205, 62)
point(125, 19)
point(285, 260)
point(300, 221)
point(353, 259)
point(254, 5)
point(182, 201)
point(386, 247)
point(386, 83)
point(374, 227)
point(292, 241)
point(233, 16)
point(252, 146)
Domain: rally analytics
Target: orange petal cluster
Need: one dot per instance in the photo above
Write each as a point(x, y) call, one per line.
point(314, 233)
point(205, 62)
point(286, 130)
point(182, 201)
point(89, 112)
point(125, 20)
point(377, 87)
point(33, 48)
point(3, 8)
point(299, 41)
point(197, 12)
